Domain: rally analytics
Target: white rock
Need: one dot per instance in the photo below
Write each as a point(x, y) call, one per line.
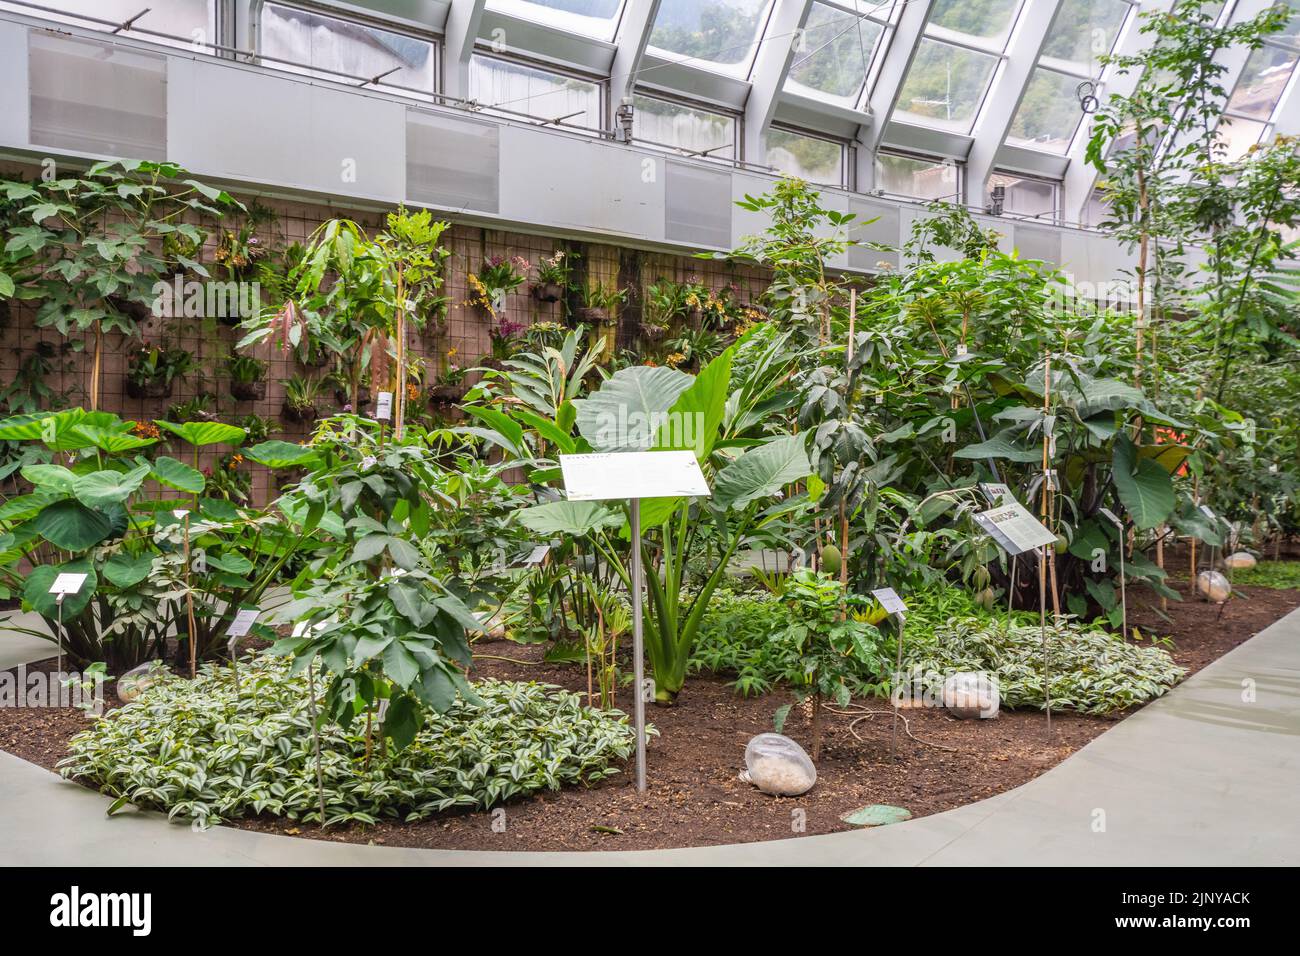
point(1213, 585)
point(1240, 561)
point(779, 766)
point(969, 694)
point(138, 679)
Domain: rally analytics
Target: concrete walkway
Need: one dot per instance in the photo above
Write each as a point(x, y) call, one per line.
point(1201, 776)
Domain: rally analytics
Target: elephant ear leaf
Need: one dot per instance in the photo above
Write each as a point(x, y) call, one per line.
point(71, 526)
point(178, 475)
point(100, 489)
point(36, 589)
point(201, 434)
point(574, 518)
point(1144, 487)
point(625, 413)
point(761, 471)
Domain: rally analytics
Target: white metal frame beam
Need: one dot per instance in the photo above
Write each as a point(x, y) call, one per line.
point(767, 76)
point(1006, 91)
point(630, 42)
point(463, 21)
point(883, 95)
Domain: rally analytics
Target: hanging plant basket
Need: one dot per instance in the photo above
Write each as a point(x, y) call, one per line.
point(295, 413)
point(248, 391)
point(151, 389)
point(548, 292)
point(344, 396)
point(653, 333)
point(592, 316)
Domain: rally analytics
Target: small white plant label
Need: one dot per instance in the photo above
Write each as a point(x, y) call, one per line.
point(995, 492)
point(66, 583)
point(384, 406)
point(243, 622)
point(961, 350)
point(538, 555)
point(1110, 516)
point(179, 514)
point(890, 601)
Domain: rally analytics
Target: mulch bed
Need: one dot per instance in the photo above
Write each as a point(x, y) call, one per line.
point(695, 798)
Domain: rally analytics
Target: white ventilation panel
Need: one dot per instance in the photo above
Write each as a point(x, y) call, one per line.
point(1035, 242)
point(884, 230)
point(698, 206)
point(453, 163)
point(95, 97)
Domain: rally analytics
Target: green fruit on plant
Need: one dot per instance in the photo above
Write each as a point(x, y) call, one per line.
point(984, 599)
point(832, 560)
point(1062, 544)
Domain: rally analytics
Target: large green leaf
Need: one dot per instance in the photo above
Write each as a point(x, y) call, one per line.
point(124, 571)
point(50, 479)
point(1000, 445)
point(574, 518)
point(36, 589)
point(501, 430)
point(1145, 488)
point(281, 454)
point(72, 526)
point(201, 434)
point(761, 471)
point(626, 412)
point(696, 415)
point(110, 440)
point(102, 488)
point(178, 475)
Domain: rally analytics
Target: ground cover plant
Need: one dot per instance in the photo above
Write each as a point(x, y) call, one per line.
point(232, 744)
point(1270, 574)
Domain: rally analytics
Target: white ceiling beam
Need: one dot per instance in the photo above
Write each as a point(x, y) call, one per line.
point(897, 60)
point(1006, 92)
point(630, 41)
point(463, 22)
point(771, 66)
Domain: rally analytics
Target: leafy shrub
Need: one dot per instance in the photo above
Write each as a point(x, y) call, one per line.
point(748, 635)
point(209, 750)
point(1092, 671)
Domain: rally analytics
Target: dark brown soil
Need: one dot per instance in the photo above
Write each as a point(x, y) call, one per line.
point(695, 798)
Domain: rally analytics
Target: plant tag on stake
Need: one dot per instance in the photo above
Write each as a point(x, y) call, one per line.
point(384, 406)
point(67, 583)
point(1110, 516)
point(243, 622)
point(1014, 528)
point(890, 601)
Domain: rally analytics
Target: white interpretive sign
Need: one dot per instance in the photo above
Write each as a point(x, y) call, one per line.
point(632, 474)
point(384, 406)
point(1014, 528)
point(890, 600)
point(243, 622)
point(538, 555)
point(66, 583)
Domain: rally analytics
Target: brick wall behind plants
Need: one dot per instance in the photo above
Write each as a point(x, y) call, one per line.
point(465, 328)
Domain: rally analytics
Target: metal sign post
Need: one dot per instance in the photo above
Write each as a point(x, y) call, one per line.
point(630, 476)
point(1017, 531)
point(893, 604)
point(996, 493)
point(65, 583)
point(1123, 595)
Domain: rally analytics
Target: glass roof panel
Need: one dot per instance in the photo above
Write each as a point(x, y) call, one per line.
point(718, 33)
point(807, 157)
point(1048, 114)
point(1262, 82)
point(593, 18)
point(945, 86)
point(833, 54)
point(918, 178)
point(976, 18)
point(672, 124)
point(185, 20)
point(1236, 136)
point(1085, 30)
point(526, 89)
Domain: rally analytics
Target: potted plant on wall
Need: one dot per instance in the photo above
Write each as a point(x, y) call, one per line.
point(449, 387)
point(552, 277)
point(247, 378)
point(505, 336)
point(496, 278)
point(602, 303)
point(300, 393)
point(152, 370)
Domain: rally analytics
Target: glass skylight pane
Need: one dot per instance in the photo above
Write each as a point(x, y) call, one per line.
point(593, 18)
point(945, 86)
point(1048, 114)
point(1262, 82)
point(919, 178)
point(1236, 136)
point(185, 20)
point(1027, 197)
point(721, 32)
point(834, 52)
point(977, 18)
point(809, 158)
point(526, 89)
point(312, 41)
point(671, 124)
point(1085, 30)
